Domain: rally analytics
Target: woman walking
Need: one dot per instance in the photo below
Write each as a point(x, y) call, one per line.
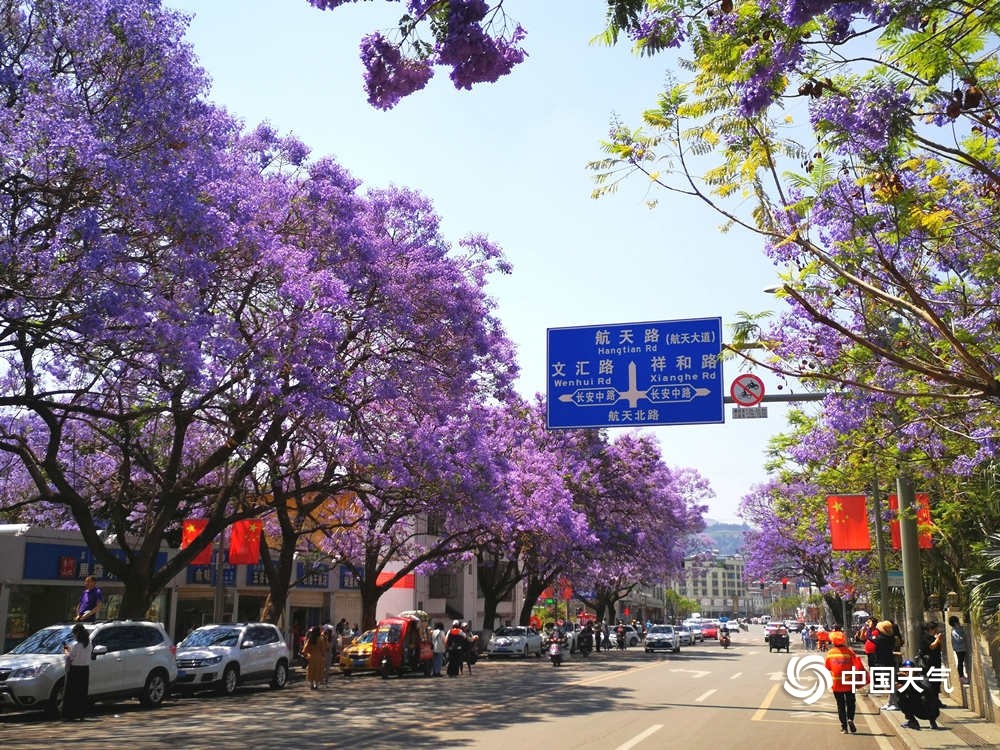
point(77, 657)
point(315, 652)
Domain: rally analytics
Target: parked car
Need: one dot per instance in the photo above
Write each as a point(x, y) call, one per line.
point(129, 659)
point(663, 637)
point(357, 656)
point(223, 657)
point(514, 640)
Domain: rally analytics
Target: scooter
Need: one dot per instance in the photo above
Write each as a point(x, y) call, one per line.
point(555, 652)
point(724, 639)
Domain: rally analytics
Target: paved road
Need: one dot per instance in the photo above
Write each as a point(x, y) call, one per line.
point(703, 698)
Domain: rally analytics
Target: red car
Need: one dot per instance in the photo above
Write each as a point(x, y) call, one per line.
point(710, 629)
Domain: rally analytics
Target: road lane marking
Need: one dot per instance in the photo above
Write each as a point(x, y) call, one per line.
point(736, 676)
point(696, 672)
point(704, 695)
point(765, 704)
point(640, 737)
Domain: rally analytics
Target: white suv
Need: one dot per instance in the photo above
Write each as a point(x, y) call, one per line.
point(129, 659)
point(223, 657)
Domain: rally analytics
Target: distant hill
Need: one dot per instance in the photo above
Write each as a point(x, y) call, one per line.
point(727, 538)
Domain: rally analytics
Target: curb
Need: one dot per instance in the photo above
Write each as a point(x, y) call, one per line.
point(959, 726)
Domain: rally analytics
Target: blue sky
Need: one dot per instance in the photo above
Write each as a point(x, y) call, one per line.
point(508, 160)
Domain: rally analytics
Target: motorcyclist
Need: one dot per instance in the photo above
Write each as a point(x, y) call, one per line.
point(622, 635)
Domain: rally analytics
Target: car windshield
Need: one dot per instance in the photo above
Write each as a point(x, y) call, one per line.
point(388, 634)
point(203, 637)
point(47, 641)
point(661, 629)
point(365, 637)
point(509, 631)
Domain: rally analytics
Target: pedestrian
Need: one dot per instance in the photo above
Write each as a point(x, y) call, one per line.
point(916, 700)
point(91, 601)
point(885, 657)
point(807, 637)
point(930, 655)
point(822, 639)
point(77, 685)
point(471, 652)
point(598, 636)
point(455, 648)
point(331, 648)
point(867, 635)
point(439, 638)
point(314, 653)
point(958, 645)
point(848, 672)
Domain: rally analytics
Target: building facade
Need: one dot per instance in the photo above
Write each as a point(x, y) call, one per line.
point(716, 582)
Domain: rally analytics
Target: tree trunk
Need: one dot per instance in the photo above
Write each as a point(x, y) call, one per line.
point(532, 590)
point(279, 575)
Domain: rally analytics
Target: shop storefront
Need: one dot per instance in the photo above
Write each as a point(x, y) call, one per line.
point(43, 572)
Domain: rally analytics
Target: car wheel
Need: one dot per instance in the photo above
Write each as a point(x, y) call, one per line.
point(230, 680)
point(155, 689)
point(54, 705)
point(280, 677)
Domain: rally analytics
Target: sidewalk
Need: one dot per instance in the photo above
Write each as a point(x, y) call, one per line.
point(959, 727)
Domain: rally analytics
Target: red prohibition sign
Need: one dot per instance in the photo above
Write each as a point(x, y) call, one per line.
point(747, 390)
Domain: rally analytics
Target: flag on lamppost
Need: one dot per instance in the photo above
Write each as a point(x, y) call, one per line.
point(190, 530)
point(244, 542)
point(924, 524)
point(848, 516)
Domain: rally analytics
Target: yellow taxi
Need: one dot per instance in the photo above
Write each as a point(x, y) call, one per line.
point(357, 656)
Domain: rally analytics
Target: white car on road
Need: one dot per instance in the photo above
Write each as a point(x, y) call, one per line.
point(514, 640)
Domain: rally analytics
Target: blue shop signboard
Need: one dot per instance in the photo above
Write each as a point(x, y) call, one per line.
point(46, 561)
point(312, 575)
point(348, 581)
point(206, 573)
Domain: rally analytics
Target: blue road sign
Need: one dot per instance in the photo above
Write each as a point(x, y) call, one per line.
point(636, 374)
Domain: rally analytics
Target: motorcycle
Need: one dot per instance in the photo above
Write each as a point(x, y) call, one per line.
point(555, 651)
point(724, 639)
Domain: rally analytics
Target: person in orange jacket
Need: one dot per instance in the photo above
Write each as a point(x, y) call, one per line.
point(822, 639)
point(848, 673)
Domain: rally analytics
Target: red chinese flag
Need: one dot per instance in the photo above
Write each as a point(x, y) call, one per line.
point(848, 516)
point(190, 529)
point(244, 542)
point(923, 521)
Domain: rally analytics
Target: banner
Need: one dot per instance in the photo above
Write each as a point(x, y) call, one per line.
point(190, 530)
point(924, 524)
point(848, 516)
point(244, 542)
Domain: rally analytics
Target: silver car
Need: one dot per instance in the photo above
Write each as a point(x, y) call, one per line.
point(128, 659)
point(223, 657)
point(686, 635)
point(662, 638)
